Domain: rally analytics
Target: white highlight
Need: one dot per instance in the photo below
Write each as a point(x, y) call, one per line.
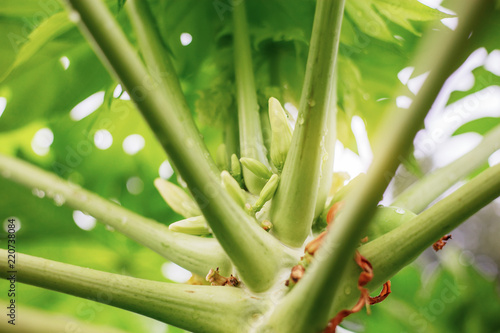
point(405, 74)
point(494, 158)
point(186, 38)
point(416, 83)
point(134, 143)
point(3, 105)
point(175, 272)
point(84, 221)
point(17, 223)
point(492, 63)
point(103, 139)
point(87, 106)
point(165, 170)
point(42, 140)
point(135, 185)
point(403, 102)
point(64, 62)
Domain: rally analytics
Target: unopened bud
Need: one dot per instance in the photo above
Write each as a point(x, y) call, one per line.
point(176, 198)
point(281, 133)
point(192, 226)
point(236, 168)
point(256, 167)
point(267, 192)
point(233, 188)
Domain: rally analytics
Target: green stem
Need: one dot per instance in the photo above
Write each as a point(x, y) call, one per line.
point(295, 201)
point(196, 254)
point(309, 302)
point(418, 196)
point(251, 140)
point(195, 308)
point(256, 254)
point(391, 252)
point(48, 322)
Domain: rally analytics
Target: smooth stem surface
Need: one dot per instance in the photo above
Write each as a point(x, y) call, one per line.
point(37, 321)
point(251, 139)
point(256, 254)
point(391, 252)
point(195, 308)
point(419, 195)
point(310, 301)
point(295, 201)
point(155, 54)
point(193, 253)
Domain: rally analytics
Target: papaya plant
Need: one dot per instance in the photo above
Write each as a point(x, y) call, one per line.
point(274, 239)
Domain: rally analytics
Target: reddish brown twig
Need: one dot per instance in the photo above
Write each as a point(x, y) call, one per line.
point(364, 300)
point(441, 243)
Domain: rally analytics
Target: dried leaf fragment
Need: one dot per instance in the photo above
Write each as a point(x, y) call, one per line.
point(441, 243)
point(216, 279)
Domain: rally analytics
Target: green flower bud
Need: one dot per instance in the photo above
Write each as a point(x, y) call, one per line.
point(256, 167)
point(196, 225)
point(281, 133)
point(221, 158)
point(233, 188)
point(267, 192)
point(176, 198)
point(236, 168)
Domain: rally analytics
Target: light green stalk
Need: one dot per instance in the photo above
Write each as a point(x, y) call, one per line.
point(391, 252)
point(251, 140)
point(256, 255)
point(37, 321)
point(196, 254)
point(419, 195)
point(309, 302)
point(295, 201)
point(195, 308)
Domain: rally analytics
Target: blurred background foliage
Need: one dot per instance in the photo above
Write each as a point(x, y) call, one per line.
point(47, 69)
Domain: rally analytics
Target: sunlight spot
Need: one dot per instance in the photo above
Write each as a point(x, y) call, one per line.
point(431, 3)
point(3, 105)
point(416, 83)
point(450, 22)
point(455, 147)
point(405, 74)
point(84, 221)
point(64, 62)
point(103, 139)
point(186, 38)
point(42, 140)
point(494, 158)
point(135, 185)
point(403, 102)
point(87, 106)
point(347, 161)
point(118, 91)
point(17, 223)
point(166, 170)
point(492, 63)
point(293, 112)
point(134, 143)
point(175, 272)
point(364, 150)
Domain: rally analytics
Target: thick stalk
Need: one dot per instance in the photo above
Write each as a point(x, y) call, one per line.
point(251, 139)
point(195, 308)
point(196, 254)
point(295, 201)
point(419, 195)
point(309, 302)
point(38, 321)
point(257, 255)
point(391, 252)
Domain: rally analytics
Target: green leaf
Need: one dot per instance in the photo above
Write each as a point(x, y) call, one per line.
point(482, 79)
point(49, 29)
point(481, 126)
